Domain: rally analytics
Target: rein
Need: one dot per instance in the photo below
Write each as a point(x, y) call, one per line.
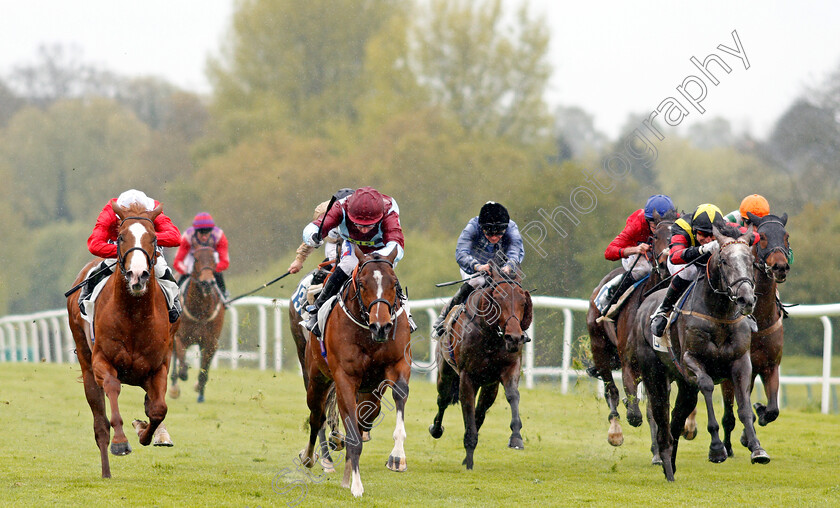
point(121, 256)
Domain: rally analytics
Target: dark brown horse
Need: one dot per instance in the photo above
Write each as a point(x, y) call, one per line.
point(709, 342)
point(132, 337)
point(771, 268)
point(608, 340)
point(201, 322)
point(481, 348)
point(366, 348)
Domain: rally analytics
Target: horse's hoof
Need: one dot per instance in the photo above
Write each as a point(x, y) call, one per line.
point(759, 456)
point(120, 449)
point(139, 426)
point(396, 464)
point(656, 460)
point(729, 452)
point(328, 466)
point(365, 436)
point(174, 391)
point(634, 418)
point(616, 439)
point(200, 398)
point(717, 456)
point(468, 463)
point(161, 437)
point(182, 375)
point(436, 432)
point(516, 443)
point(690, 434)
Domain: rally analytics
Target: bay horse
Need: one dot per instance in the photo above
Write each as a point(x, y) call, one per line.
point(771, 268)
point(300, 335)
point(366, 348)
point(132, 337)
point(709, 342)
point(201, 321)
point(608, 340)
point(480, 349)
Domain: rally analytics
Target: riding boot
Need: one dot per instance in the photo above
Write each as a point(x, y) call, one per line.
point(220, 282)
point(618, 292)
point(175, 308)
point(331, 288)
point(459, 298)
point(606, 293)
point(404, 302)
point(88, 287)
point(661, 316)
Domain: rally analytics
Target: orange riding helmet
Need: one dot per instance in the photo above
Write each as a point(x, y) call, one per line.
point(754, 204)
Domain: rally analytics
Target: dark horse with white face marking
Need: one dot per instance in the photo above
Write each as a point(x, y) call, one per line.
point(367, 348)
point(132, 337)
point(771, 268)
point(608, 340)
point(709, 342)
point(482, 348)
point(201, 321)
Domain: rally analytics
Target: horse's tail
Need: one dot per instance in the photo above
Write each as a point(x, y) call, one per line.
point(332, 409)
point(454, 389)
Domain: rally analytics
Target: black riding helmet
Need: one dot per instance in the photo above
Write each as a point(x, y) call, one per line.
point(493, 218)
point(704, 216)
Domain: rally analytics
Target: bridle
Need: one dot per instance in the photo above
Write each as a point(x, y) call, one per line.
point(501, 326)
point(655, 261)
point(729, 291)
point(122, 255)
point(363, 321)
point(763, 254)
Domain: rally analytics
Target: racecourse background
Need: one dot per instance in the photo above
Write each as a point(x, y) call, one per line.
point(45, 336)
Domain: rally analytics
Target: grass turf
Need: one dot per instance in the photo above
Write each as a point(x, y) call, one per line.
point(238, 449)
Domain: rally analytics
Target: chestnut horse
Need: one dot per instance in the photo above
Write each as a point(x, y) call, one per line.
point(771, 268)
point(482, 348)
point(132, 336)
point(366, 348)
point(202, 319)
point(608, 340)
point(710, 342)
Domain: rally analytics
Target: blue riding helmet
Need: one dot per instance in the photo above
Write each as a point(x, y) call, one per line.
point(660, 203)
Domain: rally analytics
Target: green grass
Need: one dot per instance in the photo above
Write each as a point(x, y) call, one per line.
point(229, 450)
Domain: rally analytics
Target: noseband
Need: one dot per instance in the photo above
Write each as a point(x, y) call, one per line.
point(121, 256)
point(730, 289)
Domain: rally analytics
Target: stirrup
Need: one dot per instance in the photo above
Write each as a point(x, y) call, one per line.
point(659, 317)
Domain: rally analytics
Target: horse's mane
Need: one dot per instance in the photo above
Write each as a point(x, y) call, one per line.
point(669, 215)
point(728, 231)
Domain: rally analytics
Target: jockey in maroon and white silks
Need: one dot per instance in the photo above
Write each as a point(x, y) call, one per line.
point(366, 218)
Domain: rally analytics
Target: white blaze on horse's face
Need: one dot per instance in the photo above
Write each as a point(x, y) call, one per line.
point(377, 276)
point(137, 269)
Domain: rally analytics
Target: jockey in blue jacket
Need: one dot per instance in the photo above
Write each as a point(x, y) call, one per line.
point(489, 237)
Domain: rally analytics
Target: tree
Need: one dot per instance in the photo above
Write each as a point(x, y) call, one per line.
point(574, 130)
point(490, 74)
point(294, 65)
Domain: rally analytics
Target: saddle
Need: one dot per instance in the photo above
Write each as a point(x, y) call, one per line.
point(616, 307)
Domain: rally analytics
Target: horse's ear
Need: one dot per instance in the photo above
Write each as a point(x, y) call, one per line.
point(157, 211)
point(358, 252)
point(527, 313)
point(656, 216)
point(717, 234)
point(393, 255)
point(784, 218)
point(117, 210)
point(754, 219)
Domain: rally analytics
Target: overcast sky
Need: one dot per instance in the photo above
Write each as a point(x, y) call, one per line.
point(611, 58)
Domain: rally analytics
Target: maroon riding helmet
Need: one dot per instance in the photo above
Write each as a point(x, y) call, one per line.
point(366, 207)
